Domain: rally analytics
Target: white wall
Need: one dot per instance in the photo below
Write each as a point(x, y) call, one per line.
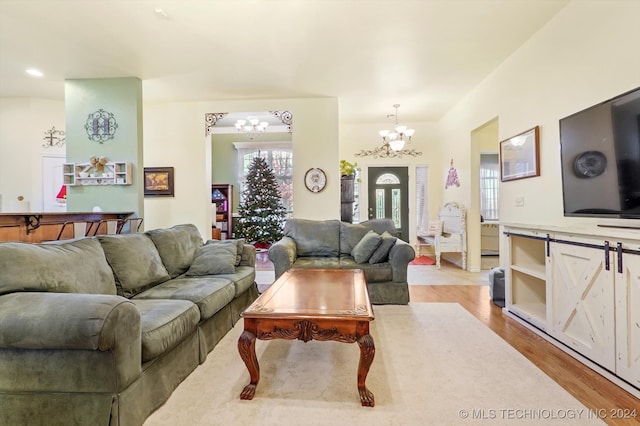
point(586, 54)
point(174, 135)
point(23, 122)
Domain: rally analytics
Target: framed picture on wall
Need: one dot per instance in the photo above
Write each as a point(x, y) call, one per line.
point(520, 156)
point(158, 182)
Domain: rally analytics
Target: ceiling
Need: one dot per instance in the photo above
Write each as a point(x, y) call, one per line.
point(370, 54)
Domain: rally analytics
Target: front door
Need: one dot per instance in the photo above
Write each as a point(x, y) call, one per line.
point(389, 197)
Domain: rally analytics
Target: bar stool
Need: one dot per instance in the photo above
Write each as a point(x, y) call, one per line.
point(134, 225)
point(79, 229)
point(112, 226)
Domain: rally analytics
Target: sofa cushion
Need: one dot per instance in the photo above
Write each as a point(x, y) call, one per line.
point(382, 252)
point(164, 324)
point(314, 237)
point(376, 273)
point(316, 263)
point(365, 248)
point(72, 266)
point(177, 246)
point(242, 278)
point(135, 262)
point(210, 294)
point(350, 235)
point(211, 259)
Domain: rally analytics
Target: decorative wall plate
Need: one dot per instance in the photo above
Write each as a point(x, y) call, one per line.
point(590, 164)
point(315, 179)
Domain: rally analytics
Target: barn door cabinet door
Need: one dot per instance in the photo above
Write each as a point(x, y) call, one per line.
point(592, 309)
point(583, 305)
point(628, 318)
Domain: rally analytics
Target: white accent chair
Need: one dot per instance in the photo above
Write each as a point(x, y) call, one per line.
point(452, 238)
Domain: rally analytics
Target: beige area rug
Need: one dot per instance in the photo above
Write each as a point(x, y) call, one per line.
point(435, 364)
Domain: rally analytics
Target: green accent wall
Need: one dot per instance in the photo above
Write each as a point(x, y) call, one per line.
point(224, 158)
point(123, 98)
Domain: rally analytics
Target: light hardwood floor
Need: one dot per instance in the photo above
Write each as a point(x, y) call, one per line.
point(589, 387)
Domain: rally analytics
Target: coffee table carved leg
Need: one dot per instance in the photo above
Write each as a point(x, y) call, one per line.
point(247, 349)
point(367, 352)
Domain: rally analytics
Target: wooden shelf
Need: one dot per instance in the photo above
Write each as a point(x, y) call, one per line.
point(222, 198)
point(537, 271)
point(527, 280)
point(84, 174)
point(534, 313)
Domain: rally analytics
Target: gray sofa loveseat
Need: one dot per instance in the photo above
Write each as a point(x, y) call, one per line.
point(101, 330)
point(332, 244)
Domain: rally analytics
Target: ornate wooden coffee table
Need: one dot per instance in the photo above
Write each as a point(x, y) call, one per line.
point(311, 304)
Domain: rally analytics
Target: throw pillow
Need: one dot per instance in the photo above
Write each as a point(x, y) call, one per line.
point(177, 246)
point(382, 252)
point(212, 259)
point(135, 262)
point(239, 243)
point(366, 246)
point(435, 228)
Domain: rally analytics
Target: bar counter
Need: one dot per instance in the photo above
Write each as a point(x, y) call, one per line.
point(34, 227)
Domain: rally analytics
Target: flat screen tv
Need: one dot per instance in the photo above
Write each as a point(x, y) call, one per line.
point(600, 150)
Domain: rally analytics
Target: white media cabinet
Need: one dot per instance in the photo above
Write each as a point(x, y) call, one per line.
point(581, 291)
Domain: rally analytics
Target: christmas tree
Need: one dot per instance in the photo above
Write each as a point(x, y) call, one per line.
point(261, 211)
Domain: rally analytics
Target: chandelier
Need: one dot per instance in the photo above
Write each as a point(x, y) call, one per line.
point(393, 141)
point(253, 129)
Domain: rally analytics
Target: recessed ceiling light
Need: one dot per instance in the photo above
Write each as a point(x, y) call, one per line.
point(34, 72)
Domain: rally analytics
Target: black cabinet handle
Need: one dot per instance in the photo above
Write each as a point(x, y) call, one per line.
point(619, 249)
point(548, 241)
point(607, 248)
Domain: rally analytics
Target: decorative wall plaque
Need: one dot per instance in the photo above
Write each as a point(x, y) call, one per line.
point(101, 126)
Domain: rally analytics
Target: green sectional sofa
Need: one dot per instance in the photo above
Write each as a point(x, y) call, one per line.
point(101, 330)
point(332, 244)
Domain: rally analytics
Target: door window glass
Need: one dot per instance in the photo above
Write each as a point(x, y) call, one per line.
point(396, 207)
point(379, 203)
point(388, 179)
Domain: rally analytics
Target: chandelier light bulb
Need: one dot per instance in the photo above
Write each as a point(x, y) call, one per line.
point(252, 129)
point(396, 144)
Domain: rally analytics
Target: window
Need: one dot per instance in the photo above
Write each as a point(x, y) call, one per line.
point(489, 186)
point(279, 157)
